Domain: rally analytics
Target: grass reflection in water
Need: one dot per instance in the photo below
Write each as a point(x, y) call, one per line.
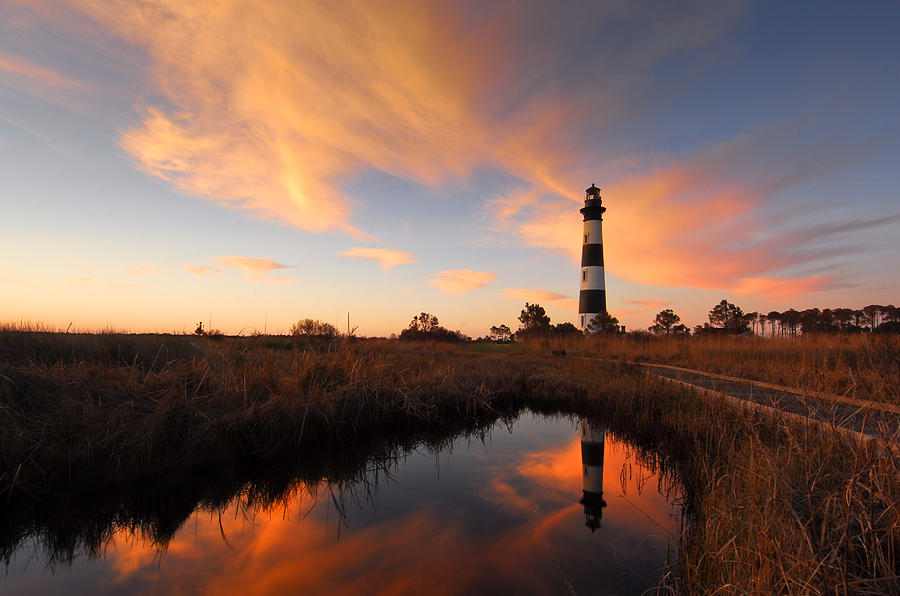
point(477, 508)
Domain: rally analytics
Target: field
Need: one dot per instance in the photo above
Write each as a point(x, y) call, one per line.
point(855, 365)
point(773, 507)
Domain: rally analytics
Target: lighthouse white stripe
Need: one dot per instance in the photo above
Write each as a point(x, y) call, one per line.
point(592, 278)
point(592, 479)
point(593, 230)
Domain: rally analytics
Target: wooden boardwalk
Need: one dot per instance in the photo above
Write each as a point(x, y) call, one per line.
point(852, 419)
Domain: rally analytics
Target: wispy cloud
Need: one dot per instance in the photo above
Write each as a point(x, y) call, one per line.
point(458, 281)
point(696, 221)
point(19, 67)
point(389, 258)
point(559, 301)
point(647, 304)
point(200, 270)
point(775, 290)
point(142, 269)
point(255, 268)
point(532, 295)
point(275, 123)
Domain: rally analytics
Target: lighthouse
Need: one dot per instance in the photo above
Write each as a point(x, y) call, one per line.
point(592, 294)
point(592, 445)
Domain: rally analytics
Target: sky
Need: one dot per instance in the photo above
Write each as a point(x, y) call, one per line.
point(249, 164)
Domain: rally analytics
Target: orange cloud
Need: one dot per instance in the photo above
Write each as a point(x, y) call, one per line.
point(268, 108)
point(645, 215)
point(774, 289)
point(200, 270)
point(508, 206)
point(647, 303)
point(263, 554)
point(694, 221)
point(388, 257)
point(560, 467)
point(256, 268)
point(457, 281)
point(532, 295)
point(295, 545)
point(271, 110)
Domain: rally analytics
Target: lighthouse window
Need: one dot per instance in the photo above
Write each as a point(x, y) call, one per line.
point(584, 275)
point(585, 238)
point(582, 320)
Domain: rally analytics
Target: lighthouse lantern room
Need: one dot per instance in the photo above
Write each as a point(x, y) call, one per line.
point(592, 294)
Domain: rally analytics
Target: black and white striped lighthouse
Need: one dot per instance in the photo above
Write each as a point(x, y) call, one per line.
point(593, 439)
point(592, 297)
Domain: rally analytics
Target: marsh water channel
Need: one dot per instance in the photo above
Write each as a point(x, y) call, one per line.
point(535, 504)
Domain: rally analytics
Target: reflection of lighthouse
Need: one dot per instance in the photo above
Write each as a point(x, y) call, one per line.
point(592, 440)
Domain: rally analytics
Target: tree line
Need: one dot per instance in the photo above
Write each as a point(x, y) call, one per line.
point(533, 322)
point(726, 317)
point(723, 318)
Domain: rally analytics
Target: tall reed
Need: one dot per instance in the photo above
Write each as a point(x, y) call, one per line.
point(774, 507)
point(863, 366)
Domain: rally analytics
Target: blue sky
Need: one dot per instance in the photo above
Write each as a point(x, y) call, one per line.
point(164, 166)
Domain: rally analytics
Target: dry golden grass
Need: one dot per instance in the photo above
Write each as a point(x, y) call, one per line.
point(862, 366)
point(773, 508)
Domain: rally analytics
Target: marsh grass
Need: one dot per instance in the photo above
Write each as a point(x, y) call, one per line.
point(93, 414)
point(771, 506)
point(83, 525)
point(863, 366)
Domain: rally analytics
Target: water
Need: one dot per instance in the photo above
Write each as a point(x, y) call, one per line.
point(533, 510)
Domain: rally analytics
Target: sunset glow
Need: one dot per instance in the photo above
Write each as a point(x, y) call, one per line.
point(299, 542)
point(255, 163)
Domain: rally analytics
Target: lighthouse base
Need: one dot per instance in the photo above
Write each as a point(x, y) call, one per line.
point(585, 318)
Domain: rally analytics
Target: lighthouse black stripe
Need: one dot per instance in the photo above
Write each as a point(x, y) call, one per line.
point(591, 454)
point(592, 301)
point(592, 255)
